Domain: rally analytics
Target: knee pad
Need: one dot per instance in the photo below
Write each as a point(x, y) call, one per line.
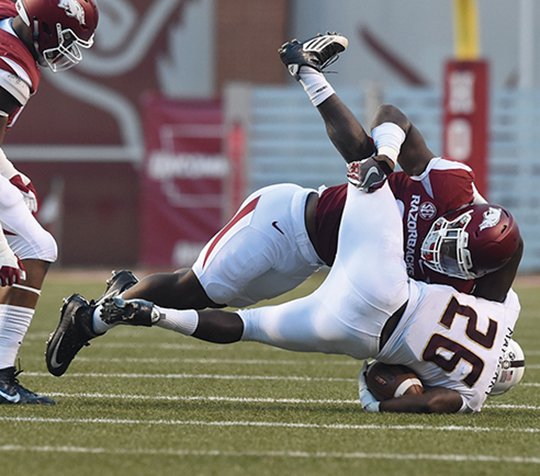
point(41, 245)
point(9, 194)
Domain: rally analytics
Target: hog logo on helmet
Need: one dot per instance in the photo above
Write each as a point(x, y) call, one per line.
point(73, 9)
point(471, 242)
point(491, 218)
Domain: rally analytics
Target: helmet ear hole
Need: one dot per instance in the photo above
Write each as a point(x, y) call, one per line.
point(45, 29)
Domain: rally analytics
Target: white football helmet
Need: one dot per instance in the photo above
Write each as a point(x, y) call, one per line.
point(510, 369)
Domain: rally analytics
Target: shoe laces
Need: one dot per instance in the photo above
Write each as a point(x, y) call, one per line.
point(11, 374)
point(16, 372)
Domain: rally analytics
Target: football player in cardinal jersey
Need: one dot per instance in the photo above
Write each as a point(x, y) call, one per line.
point(284, 232)
point(33, 34)
point(369, 307)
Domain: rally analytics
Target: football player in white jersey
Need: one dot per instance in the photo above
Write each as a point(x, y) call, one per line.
point(33, 34)
point(282, 233)
point(369, 307)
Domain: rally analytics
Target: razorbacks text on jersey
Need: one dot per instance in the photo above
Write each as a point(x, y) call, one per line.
point(445, 185)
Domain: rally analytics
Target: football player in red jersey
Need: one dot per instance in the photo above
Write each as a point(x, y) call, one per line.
point(368, 307)
point(33, 34)
point(288, 225)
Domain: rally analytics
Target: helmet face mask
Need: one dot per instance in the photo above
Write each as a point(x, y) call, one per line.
point(471, 242)
point(60, 29)
point(445, 247)
point(68, 52)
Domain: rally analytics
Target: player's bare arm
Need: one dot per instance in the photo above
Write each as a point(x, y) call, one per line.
point(433, 400)
point(414, 154)
point(396, 388)
point(495, 286)
point(344, 130)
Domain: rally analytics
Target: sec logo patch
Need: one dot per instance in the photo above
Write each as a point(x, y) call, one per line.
point(427, 211)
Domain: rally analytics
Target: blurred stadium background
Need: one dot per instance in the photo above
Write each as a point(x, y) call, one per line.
point(182, 107)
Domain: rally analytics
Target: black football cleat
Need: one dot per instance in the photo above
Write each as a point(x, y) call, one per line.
point(317, 52)
point(72, 334)
point(13, 393)
point(118, 283)
point(134, 312)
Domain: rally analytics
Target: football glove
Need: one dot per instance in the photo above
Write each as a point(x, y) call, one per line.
point(367, 400)
point(11, 268)
point(369, 174)
point(25, 185)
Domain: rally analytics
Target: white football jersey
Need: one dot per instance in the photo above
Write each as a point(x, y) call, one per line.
point(453, 340)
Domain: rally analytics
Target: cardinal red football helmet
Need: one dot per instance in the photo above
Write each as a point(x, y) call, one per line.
point(471, 242)
point(60, 28)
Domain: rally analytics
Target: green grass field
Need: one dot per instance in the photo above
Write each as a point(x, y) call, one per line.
point(148, 401)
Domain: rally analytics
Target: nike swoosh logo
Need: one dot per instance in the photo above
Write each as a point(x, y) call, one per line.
point(275, 225)
point(54, 363)
point(371, 171)
point(10, 398)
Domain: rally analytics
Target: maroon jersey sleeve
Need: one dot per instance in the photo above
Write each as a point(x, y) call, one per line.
point(445, 186)
point(12, 48)
point(328, 218)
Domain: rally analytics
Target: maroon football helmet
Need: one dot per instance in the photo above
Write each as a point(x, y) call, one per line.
point(471, 242)
point(60, 29)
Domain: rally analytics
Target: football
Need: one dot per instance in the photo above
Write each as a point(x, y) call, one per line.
point(392, 381)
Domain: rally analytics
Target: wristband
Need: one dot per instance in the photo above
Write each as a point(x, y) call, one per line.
point(390, 152)
point(388, 138)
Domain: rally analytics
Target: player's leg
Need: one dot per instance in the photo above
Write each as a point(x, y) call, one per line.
point(178, 290)
point(306, 62)
point(37, 249)
point(345, 315)
point(263, 251)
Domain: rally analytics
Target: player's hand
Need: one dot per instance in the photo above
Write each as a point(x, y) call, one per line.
point(369, 174)
point(25, 185)
point(367, 400)
point(11, 268)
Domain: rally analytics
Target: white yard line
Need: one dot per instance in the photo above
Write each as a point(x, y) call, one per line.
point(214, 398)
point(190, 360)
point(194, 376)
point(267, 424)
point(274, 454)
point(180, 376)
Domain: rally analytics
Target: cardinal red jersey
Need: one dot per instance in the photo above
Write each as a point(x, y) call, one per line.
point(445, 185)
point(16, 59)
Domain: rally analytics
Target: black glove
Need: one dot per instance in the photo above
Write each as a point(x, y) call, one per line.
point(369, 174)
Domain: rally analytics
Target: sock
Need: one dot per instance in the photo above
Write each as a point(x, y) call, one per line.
point(185, 321)
point(98, 325)
point(14, 323)
point(315, 85)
